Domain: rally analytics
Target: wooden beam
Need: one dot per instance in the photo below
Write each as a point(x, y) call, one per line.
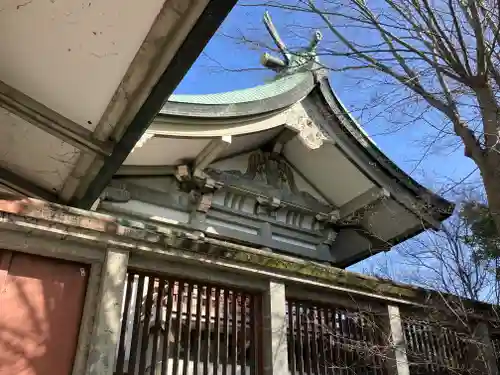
point(283, 138)
point(210, 152)
point(51, 122)
point(21, 185)
point(146, 170)
point(363, 200)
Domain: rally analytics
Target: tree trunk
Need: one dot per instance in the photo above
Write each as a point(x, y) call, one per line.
point(490, 172)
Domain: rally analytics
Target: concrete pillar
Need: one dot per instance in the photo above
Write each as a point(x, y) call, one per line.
point(274, 345)
point(105, 336)
point(399, 365)
point(484, 353)
point(87, 322)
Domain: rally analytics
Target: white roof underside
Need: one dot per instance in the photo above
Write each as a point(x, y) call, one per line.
point(70, 57)
point(321, 167)
point(35, 154)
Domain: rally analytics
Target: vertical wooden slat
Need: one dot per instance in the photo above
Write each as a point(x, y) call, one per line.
point(347, 339)
point(437, 349)
point(454, 350)
point(430, 348)
point(236, 321)
point(254, 345)
point(217, 331)
point(416, 358)
point(380, 340)
point(353, 338)
point(145, 325)
point(225, 362)
point(459, 350)
point(368, 323)
point(208, 302)
point(322, 342)
point(178, 328)
point(136, 325)
point(332, 338)
point(199, 292)
point(419, 353)
point(168, 325)
point(341, 358)
point(367, 358)
point(120, 360)
point(289, 335)
point(300, 341)
point(447, 346)
point(187, 339)
point(376, 339)
point(414, 343)
point(307, 338)
point(315, 349)
point(436, 333)
point(234, 334)
point(426, 360)
point(157, 325)
point(362, 354)
point(437, 340)
point(243, 346)
point(291, 358)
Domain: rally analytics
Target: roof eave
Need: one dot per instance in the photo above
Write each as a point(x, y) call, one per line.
point(204, 28)
point(438, 207)
point(242, 109)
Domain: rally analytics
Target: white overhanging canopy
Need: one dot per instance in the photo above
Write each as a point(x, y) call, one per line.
point(80, 81)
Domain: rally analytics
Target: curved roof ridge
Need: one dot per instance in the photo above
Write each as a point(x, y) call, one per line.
point(264, 98)
point(259, 92)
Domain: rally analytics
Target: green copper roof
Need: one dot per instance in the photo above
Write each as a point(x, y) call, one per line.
point(261, 92)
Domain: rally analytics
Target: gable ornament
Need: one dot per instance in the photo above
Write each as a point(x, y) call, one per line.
point(271, 169)
point(290, 61)
point(309, 134)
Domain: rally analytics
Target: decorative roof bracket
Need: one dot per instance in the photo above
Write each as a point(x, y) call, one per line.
point(199, 185)
point(310, 134)
point(210, 152)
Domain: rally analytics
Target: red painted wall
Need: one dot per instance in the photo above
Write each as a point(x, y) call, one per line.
point(41, 303)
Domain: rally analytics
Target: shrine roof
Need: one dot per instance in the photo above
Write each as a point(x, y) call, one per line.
point(291, 89)
point(289, 145)
point(341, 164)
point(265, 98)
point(252, 94)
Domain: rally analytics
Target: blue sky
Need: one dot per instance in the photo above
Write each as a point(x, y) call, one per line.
point(228, 64)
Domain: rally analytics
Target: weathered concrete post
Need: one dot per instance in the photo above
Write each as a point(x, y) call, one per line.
point(87, 322)
point(274, 343)
point(399, 365)
point(485, 356)
point(106, 331)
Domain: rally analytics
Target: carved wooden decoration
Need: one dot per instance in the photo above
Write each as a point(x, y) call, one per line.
point(272, 169)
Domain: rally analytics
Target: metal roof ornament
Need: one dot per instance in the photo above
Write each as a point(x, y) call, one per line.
point(291, 62)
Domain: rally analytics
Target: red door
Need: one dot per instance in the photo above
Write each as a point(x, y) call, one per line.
point(41, 303)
